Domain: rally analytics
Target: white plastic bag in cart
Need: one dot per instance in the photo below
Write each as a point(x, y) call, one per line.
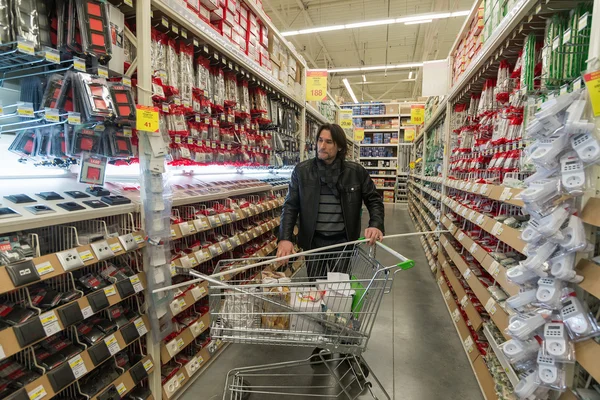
point(337, 296)
point(239, 310)
point(306, 301)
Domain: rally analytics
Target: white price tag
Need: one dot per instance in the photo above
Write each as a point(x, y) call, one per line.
point(180, 343)
point(86, 256)
point(148, 365)
point(79, 64)
point(140, 326)
point(468, 343)
point(110, 291)
point(137, 284)
point(473, 248)
point(198, 292)
point(484, 189)
point(467, 274)
point(121, 389)
point(112, 344)
point(116, 247)
point(490, 306)
point(87, 312)
point(480, 219)
point(37, 393)
point(138, 239)
point(464, 300)
point(78, 366)
point(497, 229)
point(50, 323)
point(456, 315)
point(495, 269)
point(461, 236)
point(506, 194)
point(475, 188)
point(44, 268)
point(448, 294)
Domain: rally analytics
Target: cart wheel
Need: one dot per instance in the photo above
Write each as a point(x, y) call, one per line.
point(361, 364)
point(316, 356)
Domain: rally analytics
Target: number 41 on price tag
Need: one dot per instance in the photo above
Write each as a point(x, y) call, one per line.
point(146, 119)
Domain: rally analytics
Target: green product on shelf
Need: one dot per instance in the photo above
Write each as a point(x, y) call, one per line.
point(528, 63)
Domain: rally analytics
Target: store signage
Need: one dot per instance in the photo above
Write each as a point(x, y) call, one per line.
point(409, 135)
point(316, 84)
point(146, 119)
point(592, 82)
point(417, 114)
point(345, 119)
point(411, 165)
point(359, 134)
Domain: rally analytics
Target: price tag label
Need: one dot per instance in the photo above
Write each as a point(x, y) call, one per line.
point(110, 291)
point(184, 33)
point(448, 294)
point(25, 46)
point(78, 366)
point(116, 247)
point(461, 236)
point(148, 365)
point(128, 2)
point(164, 22)
point(50, 323)
point(136, 283)
point(440, 280)
point(473, 248)
point(112, 344)
point(126, 81)
point(138, 239)
point(121, 389)
point(583, 22)
point(37, 393)
point(198, 292)
point(73, 118)
point(490, 306)
point(52, 55)
point(468, 343)
point(497, 229)
point(483, 189)
point(103, 72)
point(180, 343)
point(44, 268)
point(87, 312)
point(456, 315)
point(467, 274)
point(140, 326)
point(25, 110)
point(79, 64)
point(494, 269)
point(180, 378)
point(506, 194)
point(147, 118)
point(464, 300)
point(182, 303)
point(480, 219)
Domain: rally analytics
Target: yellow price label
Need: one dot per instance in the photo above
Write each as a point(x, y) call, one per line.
point(359, 134)
point(592, 82)
point(417, 114)
point(103, 72)
point(411, 165)
point(345, 119)
point(26, 47)
point(146, 119)
point(409, 135)
point(316, 85)
point(52, 56)
point(79, 64)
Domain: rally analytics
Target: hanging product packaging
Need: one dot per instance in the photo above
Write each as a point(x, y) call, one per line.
point(58, 141)
point(520, 352)
point(551, 373)
point(54, 89)
point(24, 144)
point(74, 43)
point(94, 97)
point(186, 73)
point(93, 169)
point(24, 20)
point(86, 138)
point(562, 266)
point(557, 343)
point(123, 102)
point(95, 30)
point(173, 83)
point(117, 144)
point(525, 326)
point(230, 91)
point(578, 319)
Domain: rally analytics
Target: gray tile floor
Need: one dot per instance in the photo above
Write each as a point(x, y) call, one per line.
point(426, 360)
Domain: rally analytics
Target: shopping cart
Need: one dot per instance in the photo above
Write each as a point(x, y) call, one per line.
point(326, 299)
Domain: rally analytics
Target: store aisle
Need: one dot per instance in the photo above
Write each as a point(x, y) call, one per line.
point(427, 357)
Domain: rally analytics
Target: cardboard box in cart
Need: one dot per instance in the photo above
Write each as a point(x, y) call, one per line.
point(305, 301)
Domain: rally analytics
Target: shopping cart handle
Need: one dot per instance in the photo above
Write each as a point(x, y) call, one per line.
point(405, 262)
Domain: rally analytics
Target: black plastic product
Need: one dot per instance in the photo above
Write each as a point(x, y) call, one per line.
point(99, 353)
point(138, 373)
point(125, 288)
point(24, 144)
point(18, 395)
point(29, 332)
point(94, 24)
point(39, 209)
point(61, 377)
point(139, 393)
point(77, 194)
point(22, 273)
point(19, 198)
point(71, 206)
point(98, 301)
point(115, 200)
point(130, 333)
point(70, 314)
point(49, 196)
point(109, 394)
point(6, 212)
point(97, 191)
point(123, 102)
point(94, 203)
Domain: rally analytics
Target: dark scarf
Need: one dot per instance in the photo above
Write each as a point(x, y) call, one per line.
point(329, 174)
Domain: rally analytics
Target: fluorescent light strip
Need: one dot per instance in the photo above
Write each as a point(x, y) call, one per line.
point(349, 89)
point(423, 21)
point(376, 68)
point(411, 18)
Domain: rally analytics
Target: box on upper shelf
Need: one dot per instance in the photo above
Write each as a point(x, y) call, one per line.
point(392, 108)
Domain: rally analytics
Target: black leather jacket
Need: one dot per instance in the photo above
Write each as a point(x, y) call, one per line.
point(355, 186)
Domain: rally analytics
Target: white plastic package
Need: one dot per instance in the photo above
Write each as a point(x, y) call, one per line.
point(549, 293)
point(580, 322)
point(518, 352)
point(525, 326)
point(551, 373)
point(521, 275)
point(557, 343)
point(562, 266)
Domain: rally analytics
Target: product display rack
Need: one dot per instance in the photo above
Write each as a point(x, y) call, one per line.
point(199, 214)
point(464, 190)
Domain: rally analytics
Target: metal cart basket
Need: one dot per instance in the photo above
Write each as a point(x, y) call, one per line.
point(325, 298)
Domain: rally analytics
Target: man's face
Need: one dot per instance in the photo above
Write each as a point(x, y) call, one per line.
point(328, 149)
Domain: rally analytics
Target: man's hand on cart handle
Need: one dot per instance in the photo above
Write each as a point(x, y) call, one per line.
point(285, 248)
point(373, 234)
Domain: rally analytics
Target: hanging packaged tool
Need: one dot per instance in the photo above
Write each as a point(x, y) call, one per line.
point(94, 97)
point(123, 102)
point(95, 32)
point(73, 43)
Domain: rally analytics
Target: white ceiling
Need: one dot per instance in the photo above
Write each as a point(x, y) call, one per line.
point(378, 45)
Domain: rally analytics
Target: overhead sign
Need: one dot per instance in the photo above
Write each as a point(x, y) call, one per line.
point(359, 134)
point(316, 84)
point(417, 114)
point(345, 119)
point(409, 134)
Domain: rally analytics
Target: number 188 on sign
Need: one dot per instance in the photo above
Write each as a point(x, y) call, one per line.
point(316, 85)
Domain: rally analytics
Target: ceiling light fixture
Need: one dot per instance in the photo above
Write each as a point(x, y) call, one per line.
point(423, 21)
point(376, 68)
point(349, 89)
point(364, 24)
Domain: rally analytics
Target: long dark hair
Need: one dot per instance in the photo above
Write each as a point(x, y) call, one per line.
point(339, 137)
